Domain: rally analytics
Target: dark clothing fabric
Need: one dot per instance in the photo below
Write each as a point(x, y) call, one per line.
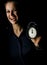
point(21, 51)
point(17, 48)
point(36, 54)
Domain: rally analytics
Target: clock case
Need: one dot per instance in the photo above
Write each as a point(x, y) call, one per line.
point(34, 25)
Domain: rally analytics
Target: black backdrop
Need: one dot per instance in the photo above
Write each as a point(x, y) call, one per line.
point(31, 11)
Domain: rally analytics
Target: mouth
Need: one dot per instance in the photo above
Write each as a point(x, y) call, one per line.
point(13, 19)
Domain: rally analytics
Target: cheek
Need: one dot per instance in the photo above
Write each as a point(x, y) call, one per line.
point(7, 15)
point(15, 13)
point(17, 17)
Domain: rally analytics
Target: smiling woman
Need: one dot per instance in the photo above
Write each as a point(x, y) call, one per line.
point(11, 12)
point(20, 47)
point(17, 44)
point(12, 15)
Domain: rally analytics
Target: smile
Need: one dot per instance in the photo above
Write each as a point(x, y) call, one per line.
point(12, 19)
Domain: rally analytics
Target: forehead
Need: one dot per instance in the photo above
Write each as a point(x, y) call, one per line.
point(10, 5)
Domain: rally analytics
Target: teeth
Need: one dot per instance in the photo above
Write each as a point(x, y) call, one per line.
point(12, 19)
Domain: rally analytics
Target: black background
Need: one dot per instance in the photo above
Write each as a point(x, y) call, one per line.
point(31, 11)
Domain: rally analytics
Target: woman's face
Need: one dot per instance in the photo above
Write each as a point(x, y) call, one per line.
point(11, 12)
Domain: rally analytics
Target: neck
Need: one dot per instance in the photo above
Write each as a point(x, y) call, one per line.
point(15, 26)
point(17, 29)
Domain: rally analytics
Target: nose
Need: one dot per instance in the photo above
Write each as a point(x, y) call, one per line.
point(11, 14)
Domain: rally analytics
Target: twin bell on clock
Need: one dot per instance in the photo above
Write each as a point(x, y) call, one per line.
point(32, 30)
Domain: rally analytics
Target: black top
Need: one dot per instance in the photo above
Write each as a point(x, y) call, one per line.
point(20, 50)
point(17, 48)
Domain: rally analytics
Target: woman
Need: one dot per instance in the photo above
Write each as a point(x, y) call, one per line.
point(18, 43)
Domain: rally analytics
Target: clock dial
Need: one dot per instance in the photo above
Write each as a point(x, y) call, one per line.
point(32, 32)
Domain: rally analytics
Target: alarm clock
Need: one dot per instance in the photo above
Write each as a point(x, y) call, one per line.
point(32, 30)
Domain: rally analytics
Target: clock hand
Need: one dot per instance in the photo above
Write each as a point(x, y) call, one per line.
point(32, 31)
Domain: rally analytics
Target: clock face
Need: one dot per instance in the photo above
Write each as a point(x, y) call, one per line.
point(32, 32)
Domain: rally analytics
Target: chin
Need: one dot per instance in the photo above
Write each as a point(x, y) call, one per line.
point(13, 22)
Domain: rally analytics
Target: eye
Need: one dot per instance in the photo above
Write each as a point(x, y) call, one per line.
point(14, 9)
point(8, 11)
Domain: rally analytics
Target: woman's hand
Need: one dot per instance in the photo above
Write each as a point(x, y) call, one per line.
point(36, 41)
